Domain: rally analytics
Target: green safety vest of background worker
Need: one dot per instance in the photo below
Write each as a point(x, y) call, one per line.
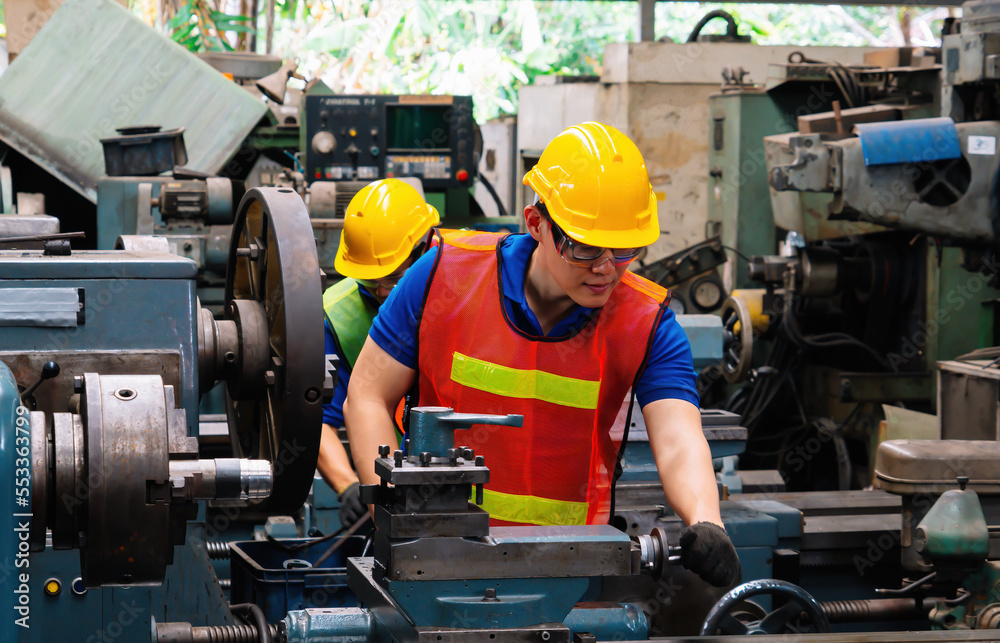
point(494, 324)
point(387, 225)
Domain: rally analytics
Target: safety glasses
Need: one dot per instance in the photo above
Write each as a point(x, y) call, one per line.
point(581, 254)
point(389, 282)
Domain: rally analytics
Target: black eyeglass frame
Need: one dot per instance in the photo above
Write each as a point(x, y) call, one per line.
point(582, 252)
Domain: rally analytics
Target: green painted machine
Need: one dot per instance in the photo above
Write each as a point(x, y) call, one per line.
point(862, 272)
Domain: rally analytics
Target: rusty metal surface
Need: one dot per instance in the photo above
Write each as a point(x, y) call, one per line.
point(53, 396)
point(127, 536)
point(967, 400)
point(932, 466)
point(849, 532)
point(70, 87)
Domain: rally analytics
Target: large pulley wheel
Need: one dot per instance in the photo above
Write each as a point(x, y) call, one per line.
point(737, 340)
point(730, 615)
point(274, 382)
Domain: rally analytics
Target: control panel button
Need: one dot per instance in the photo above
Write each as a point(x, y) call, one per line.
point(52, 587)
point(323, 142)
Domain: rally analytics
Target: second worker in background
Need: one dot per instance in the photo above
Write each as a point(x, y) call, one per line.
point(387, 226)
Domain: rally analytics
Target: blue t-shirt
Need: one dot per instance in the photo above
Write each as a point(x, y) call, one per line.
point(333, 411)
point(669, 373)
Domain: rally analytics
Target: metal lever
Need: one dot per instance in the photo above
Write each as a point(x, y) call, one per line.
point(432, 429)
point(49, 370)
point(465, 420)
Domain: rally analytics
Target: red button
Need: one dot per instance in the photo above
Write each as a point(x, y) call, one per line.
point(462, 175)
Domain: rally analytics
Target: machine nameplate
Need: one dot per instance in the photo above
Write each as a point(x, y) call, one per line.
point(35, 307)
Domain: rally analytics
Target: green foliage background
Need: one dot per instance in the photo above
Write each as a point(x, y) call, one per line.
point(490, 48)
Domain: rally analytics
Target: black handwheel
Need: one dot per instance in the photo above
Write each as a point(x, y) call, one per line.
point(720, 619)
point(274, 383)
point(737, 342)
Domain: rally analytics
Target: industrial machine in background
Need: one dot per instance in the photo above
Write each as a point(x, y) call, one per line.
point(53, 131)
point(254, 130)
point(363, 138)
point(190, 213)
point(349, 141)
point(889, 262)
point(692, 276)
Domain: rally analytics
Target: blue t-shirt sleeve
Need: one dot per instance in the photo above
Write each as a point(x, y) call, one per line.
point(333, 411)
point(395, 327)
point(669, 372)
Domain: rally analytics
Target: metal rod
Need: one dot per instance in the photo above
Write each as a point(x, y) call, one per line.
point(915, 584)
point(44, 237)
point(877, 609)
point(337, 545)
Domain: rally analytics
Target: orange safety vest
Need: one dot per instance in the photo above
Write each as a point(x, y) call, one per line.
point(558, 469)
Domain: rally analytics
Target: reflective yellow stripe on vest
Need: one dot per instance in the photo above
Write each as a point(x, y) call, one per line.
point(533, 509)
point(524, 383)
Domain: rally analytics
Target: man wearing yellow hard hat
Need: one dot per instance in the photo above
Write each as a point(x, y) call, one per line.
point(552, 325)
point(387, 225)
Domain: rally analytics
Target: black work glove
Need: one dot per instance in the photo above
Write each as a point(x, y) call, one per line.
point(351, 507)
point(707, 551)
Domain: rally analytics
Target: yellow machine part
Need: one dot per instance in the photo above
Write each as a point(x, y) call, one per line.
point(754, 299)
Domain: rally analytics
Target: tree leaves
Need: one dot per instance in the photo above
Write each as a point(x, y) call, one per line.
point(198, 27)
point(491, 48)
point(336, 38)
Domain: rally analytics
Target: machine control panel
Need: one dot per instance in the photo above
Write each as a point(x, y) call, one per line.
point(365, 138)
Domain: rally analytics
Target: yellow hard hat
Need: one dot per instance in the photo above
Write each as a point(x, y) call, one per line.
point(593, 182)
point(382, 224)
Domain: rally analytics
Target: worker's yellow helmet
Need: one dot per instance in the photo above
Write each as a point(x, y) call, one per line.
point(593, 182)
point(382, 224)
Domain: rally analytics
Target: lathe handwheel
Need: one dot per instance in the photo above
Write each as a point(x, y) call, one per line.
point(274, 385)
point(721, 619)
point(737, 342)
